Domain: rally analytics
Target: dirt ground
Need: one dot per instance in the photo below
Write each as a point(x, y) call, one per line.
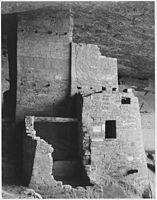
point(20, 192)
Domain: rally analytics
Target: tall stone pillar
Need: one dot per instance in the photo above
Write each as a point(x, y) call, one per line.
point(43, 62)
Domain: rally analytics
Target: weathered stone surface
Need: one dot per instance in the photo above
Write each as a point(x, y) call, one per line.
point(42, 179)
point(65, 168)
point(124, 30)
point(43, 60)
point(118, 157)
point(90, 71)
point(119, 160)
point(115, 157)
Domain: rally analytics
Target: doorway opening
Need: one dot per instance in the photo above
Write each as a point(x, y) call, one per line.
point(64, 138)
point(110, 129)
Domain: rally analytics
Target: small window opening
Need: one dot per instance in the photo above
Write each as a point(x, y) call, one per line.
point(114, 89)
point(47, 85)
point(125, 100)
point(49, 32)
point(110, 129)
point(131, 171)
point(125, 90)
point(103, 88)
point(79, 88)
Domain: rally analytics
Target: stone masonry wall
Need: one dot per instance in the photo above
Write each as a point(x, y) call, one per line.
point(90, 71)
point(41, 177)
point(43, 62)
point(120, 159)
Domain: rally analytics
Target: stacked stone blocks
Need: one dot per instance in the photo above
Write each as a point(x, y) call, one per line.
point(114, 158)
point(43, 59)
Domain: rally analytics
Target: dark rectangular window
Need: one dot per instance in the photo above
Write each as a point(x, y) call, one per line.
point(125, 100)
point(114, 89)
point(110, 129)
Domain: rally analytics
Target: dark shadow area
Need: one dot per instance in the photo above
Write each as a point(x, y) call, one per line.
point(114, 89)
point(63, 137)
point(83, 162)
point(131, 171)
point(11, 132)
point(151, 160)
point(12, 152)
point(147, 194)
point(66, 139)
point(29, 148)
point(150, 152)
point(125, 90)
point(150, 156)
point(125, 100)
point(9, 161)
point(6, 107)
point(151, 167)
point(9, 29)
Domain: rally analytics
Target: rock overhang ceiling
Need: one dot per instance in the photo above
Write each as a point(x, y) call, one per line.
point(123, 30)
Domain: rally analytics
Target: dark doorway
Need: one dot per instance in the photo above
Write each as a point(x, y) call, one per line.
point(110, 130)
point(67, 166)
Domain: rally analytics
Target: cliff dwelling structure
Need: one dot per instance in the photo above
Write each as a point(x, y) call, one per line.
point(80, 136)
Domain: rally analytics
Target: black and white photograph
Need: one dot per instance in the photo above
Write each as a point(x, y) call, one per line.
point(78, 99)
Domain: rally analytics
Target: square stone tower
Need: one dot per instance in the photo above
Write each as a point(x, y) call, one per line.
point(43, 62)
point(112, 147)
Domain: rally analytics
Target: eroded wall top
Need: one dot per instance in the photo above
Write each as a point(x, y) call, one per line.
point(91, 71)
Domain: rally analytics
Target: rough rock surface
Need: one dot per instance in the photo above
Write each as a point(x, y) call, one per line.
point(123, 30)
point(20, 192)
